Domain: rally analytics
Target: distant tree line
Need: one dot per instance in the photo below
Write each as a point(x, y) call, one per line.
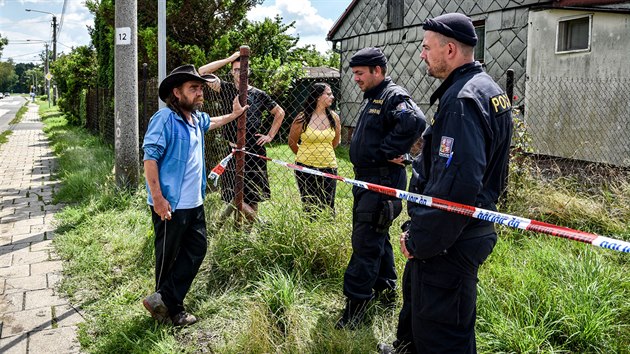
point(198, 32)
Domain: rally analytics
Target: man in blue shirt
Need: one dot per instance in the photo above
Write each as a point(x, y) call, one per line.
point(175, 173)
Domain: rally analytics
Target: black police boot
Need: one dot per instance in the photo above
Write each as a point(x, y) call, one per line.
point(384, 348)
point(387, 298)
point(398, 347)
point(353, 314)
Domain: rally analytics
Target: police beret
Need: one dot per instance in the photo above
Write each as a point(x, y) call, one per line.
point(370, 56)
point(453, 25)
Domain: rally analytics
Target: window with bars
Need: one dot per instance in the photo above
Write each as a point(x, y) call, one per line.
point(480, 30)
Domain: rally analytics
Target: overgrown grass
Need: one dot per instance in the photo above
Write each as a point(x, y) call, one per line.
point(278, 288)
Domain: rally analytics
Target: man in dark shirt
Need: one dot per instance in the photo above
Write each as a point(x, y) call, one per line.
point(256, 180)
point(388, 125)
point(464, 159)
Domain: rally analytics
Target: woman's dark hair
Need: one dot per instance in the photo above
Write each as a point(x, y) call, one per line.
point(311, 103)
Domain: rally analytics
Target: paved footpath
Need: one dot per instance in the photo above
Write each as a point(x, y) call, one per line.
point(33, 317)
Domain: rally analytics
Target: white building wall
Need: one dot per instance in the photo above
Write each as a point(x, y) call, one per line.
point(577, 104)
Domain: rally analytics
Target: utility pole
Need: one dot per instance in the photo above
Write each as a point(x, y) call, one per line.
point(47, 70)
point(54, 58)
point(241, 127)
point(54, 25)
point(126, 94)
point(161, 45)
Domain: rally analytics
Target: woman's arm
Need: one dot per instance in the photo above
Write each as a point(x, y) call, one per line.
point(337, 138)
point(295, 132)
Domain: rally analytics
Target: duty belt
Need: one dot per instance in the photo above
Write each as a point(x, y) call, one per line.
point(375, 171)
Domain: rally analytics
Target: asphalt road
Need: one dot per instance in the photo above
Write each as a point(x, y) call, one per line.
point(8, 108)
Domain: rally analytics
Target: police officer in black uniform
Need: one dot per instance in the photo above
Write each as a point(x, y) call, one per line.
point(464, 160)
point(389, 123)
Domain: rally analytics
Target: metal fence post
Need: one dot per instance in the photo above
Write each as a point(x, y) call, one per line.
point(509, 85)
point(240, 137)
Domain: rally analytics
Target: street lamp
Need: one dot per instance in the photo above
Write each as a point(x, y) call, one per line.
point(46, 68)
point(54, 30)
point(54, 24)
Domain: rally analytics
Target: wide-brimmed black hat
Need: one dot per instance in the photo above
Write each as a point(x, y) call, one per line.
point(180, 75)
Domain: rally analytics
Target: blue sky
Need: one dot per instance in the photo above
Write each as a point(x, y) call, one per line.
point(314, 18)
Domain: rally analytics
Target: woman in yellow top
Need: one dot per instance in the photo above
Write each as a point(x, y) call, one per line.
point(314, 134)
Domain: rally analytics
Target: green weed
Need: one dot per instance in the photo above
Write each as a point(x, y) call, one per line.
point(277, 288)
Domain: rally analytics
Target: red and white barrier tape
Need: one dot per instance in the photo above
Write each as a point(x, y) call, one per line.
point(442, 204)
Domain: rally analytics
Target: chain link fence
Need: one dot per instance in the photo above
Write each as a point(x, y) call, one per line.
point(282, 181)
point(566, 126)
point(579, 119)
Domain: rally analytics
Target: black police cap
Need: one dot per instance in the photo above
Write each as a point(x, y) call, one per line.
point(370, 56)
point(453, 25)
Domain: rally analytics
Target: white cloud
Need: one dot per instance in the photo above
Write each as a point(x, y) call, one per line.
point(320, 43)
point(311, 27)
point(19, 25)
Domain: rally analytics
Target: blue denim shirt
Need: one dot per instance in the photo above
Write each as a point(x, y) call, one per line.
point(167, 141)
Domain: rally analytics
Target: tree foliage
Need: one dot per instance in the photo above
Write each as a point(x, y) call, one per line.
point(73, 73)
point(25, 78)
point(8, 78)
point(33, 78)
point(3, 41)
point(192, 27)
point(200, 31)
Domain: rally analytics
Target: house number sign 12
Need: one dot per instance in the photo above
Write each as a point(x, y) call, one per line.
point(123, 35)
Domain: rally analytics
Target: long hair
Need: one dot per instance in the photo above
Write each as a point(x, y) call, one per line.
point(311, 103)
point(172, 102)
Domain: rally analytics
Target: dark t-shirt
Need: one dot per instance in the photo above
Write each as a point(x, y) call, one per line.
point(258, 101)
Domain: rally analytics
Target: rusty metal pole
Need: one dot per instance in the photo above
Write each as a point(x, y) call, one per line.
point(240, 134)
point(509, 85)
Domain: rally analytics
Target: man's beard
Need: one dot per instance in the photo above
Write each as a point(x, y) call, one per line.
point(189, 106)
point(437, 69)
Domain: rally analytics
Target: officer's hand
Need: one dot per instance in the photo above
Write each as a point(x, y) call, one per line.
point(403, 245)
point(398, 161)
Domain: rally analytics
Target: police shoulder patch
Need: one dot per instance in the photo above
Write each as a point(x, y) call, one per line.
point(500, 103)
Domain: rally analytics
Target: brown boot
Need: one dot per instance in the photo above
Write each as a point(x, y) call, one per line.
point(183, 319)
point(154, 304)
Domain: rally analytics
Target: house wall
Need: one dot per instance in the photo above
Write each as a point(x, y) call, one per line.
point(578, 104)
point(505, 44)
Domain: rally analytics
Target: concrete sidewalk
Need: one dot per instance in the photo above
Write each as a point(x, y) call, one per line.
point(33, 317)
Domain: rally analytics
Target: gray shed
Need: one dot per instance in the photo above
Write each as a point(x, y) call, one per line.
point(574, 40)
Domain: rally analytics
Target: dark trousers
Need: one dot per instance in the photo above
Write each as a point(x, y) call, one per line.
point(317, 192)
point(371, 267)
point(180, 247)
point(440, 299)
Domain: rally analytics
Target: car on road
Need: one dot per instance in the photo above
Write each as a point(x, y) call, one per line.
point(6, 94)
point(1, 95)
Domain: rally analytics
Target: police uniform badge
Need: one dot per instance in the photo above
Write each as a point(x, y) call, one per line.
point(446, 146)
